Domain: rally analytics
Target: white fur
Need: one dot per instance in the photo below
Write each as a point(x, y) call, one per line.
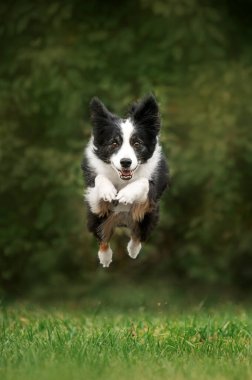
point(103, 190)
point(109, 185)
point(134, 192)
point(147, 169)
point(108, 181)
point(98, 166)
point(134, 248)
point(92, 197)
point(105, 257)
point(126, 150)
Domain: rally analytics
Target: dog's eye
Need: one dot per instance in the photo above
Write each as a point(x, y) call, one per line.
point(114, 145)
point(136, 144)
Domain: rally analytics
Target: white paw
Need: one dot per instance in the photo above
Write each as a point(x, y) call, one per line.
point(134, 192)
point(107, 193)
point(106, 190)
point(134, 248)
point(105, 257)
point(125, 197)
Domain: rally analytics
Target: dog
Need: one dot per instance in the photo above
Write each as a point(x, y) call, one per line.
point(125, 172)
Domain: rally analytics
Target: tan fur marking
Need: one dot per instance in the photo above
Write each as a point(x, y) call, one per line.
point(135, 239)
point(138, 210)
point(105, 208)
point(108, 226)
point(103, 246)
point(114, 220)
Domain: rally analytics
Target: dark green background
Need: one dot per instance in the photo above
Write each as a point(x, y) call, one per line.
point(195, 56)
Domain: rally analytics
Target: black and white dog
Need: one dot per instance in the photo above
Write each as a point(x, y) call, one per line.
point(126, 174)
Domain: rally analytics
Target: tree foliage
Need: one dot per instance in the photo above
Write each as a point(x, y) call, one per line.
point(195, 56)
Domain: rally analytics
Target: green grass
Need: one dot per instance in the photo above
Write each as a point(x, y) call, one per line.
point(152, 341)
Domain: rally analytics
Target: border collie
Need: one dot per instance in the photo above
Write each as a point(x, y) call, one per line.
point(126, 174)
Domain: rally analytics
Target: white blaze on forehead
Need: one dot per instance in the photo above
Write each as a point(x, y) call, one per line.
point(126, 150)
point(127, 129)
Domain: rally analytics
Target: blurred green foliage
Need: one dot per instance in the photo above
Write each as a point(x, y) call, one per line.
point(196, 57)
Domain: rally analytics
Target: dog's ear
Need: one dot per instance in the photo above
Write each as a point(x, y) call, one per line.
point(102, 119)
point(133, 108)
point(146, 113)
point(99, 113)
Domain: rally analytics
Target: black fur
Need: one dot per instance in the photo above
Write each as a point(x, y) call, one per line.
point(106, 131)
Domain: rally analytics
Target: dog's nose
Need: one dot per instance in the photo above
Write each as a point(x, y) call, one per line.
point(125, 163)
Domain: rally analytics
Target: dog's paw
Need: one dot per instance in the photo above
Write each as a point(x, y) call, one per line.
point(134, 248)
point(107, 193)
point(134, 192)
point(106, 190)
point(125, 197)
point(105, 257)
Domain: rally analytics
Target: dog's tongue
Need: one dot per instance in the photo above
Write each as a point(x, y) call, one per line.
point(126, 172)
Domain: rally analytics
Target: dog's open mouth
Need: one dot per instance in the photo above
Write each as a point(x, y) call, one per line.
point(126, 174)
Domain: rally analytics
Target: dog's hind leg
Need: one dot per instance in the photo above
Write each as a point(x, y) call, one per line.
point(140, 231)
point(134, 246)
point(102, 227)
point(105, 254)
point(105, 231)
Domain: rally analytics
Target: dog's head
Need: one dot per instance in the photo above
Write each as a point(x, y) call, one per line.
point(125, 143)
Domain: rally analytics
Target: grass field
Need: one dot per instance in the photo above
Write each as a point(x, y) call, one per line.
point(138, 341)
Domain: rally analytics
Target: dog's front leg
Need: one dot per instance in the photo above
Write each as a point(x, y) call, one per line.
point(103, 191)
point(106, 190)
point(134, 192)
